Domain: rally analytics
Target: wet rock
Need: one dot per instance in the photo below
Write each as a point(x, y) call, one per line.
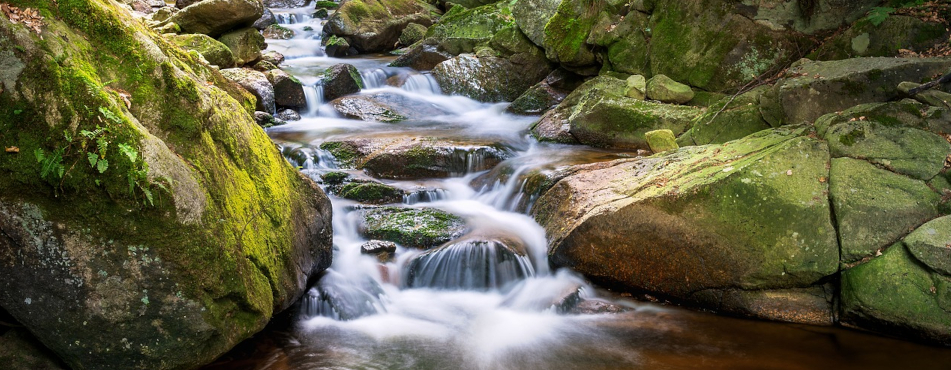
point(810, 305)
point(246, 44)
point(488, 79)
point(288, 115)
point(875, 207)
point(726, 120)
point(374, 25)
point(340, 80)
point(342, 298)
point(263, 66)
point(337, 47)
point(265, 21)
point(699, 218)
point(288, 91)
point(385, 107)
point(412, 33)
point(272, 57)
point(431, 158)
point(371, 193)
point(818, 88)
point(383, 250)
point(321, 13)
point(596, 307)
point(421, 58)
point(265, 119)
point(461, 29)
point(215, 17)
point(256, 83)
point(661, 141)
point(422, 228)
point(278, 32)
point(472, 264)
point(895, 294)
point(553, 127)
point(213, 51)
point(334, 177)
point(665, 90)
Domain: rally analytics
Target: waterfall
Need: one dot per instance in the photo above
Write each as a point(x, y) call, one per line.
point(314, 96)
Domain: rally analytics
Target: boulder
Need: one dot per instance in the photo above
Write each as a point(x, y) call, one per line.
point(287, 115)
point(864, 39)
point(412, 34)
point(338, 47)
point(411, 158)
point(694, 224)
point(162, 14)
point(265, 21)
point(213, 51)
point(627, 42)
point(895, 294)
point(461, 29)
point(566, 32)
point(930, 242)
point(277, 32)
point(422, 228)
point(385, 107)
point(256, 83)
point(665, 90)
point(531, 17)
point(421, 57)
point(546, 94)
point(554, 125)
point(340, 80)
point(817, 88)
point(371, 193)
point(217, 234)
point(215, 17)
point(263, 66)
point(288, 91)
point(246, 44)
point(661, 141)
point(728, 119)
point(375, 25)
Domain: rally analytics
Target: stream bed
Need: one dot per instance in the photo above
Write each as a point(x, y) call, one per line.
point(486, 299)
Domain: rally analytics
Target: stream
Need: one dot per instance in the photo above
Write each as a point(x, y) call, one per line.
point(474, 303)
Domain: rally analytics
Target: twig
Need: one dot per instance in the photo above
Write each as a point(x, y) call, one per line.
point(930, 85)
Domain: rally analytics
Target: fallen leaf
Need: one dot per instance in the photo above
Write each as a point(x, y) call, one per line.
point(13, 150)
point(788, 172)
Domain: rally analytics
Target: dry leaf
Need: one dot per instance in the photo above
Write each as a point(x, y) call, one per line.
point(13, 150)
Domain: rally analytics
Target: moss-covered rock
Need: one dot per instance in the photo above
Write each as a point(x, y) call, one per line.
point(546, 94)
point(288, 91)
point(532, 15)
point(213, 51)
point(900, 149)
point(661, 141)
point(897, 295)
point(630, 51)
point(728, 119)
point(371, 193)
point(554, 125)
point(340, 80)
point(277, 32)
point(818, 88)
point(751, 214)
point(422, 228)
point(142, 278)
point(246, 44)
point(930, 244)
point(567, 31)
point(874, 208)
point(666, 90)
point(215, 17)
point(376, 25)
point(255, 83)
point(412, 34)
point(864, 39)
point(460, 30)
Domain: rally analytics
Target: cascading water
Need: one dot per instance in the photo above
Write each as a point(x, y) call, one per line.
point(486, 299)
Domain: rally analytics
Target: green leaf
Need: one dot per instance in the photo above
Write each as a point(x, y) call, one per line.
point(17, 112)
point(878, 15)
point(148, 195)
point(129, 152)
point(103, 165)
point(93, 158)
point(39, 155)
point(109, 115)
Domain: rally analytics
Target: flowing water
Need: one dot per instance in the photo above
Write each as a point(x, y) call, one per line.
point(488, 300)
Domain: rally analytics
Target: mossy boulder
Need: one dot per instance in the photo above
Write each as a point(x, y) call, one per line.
point(904, 150)
point(217, 234)
point(864, 39)
point(896, 294)
point(340, 80)
point(266, 20)
point(554, 125)
point(628, 44)
point(874, 207)
point(460, 30)
point(213, 51)
point(412, 34)
point(371, 193)
point(666, 90)
point(376, 25)
point(611, 120)
point(726, 120)
point(246, 44)
point(567, 31)
point(488, 79)
point(385, 107)
point(751, 214)
point(532, 15)
point(277, 32)
point(422, 228)
point(818, 88)
point(215, 17)
point(288, 91)
point(661, 141)
point(255, 83)
point(930, 244)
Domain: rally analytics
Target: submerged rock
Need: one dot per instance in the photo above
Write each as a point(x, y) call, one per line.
point(422, 228)
point(215, 17)
point(340, 80)
point(213, 51)
point(217, 234)
point(383, 250)
point(266, 20)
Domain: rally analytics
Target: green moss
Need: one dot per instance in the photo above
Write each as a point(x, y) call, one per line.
point(371, 192)
point(325, 4)
point(334, 177)
point(412, 227)
point(344, 152)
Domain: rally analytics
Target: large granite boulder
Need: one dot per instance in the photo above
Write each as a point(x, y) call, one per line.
point(461, 29)
point(216, 234)
point(376, 25)
point(215, 17)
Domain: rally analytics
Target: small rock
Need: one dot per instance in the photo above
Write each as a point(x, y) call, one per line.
point(383, 250)
point(661, 140)
point(664, 89)
point(256, 83)
point(273, 57)
point(288, 91)
point(340, 80)
point(288, 115)
point(637, 87)
point(278, 32)
point(266, 20)
point(263, 66)
point(265, 119)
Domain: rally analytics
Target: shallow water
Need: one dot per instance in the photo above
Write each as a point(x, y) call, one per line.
point(477, 305)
